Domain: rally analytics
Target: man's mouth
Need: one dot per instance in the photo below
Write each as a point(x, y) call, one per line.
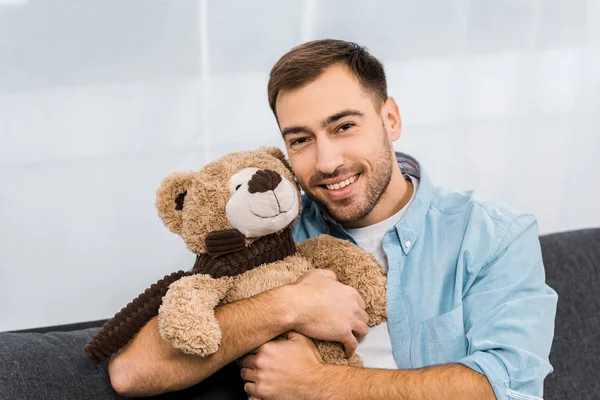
point(340, 189)
point(341, 184)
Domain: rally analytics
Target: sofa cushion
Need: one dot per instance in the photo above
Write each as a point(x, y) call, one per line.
point(572, 261)
point(52, 366)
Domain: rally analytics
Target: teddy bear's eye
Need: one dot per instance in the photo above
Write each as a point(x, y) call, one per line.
point(179, 201)
point(240, 178)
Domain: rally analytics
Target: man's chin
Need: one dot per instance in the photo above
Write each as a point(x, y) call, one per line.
point(342, 210)
point(332, 204)
point(343, 214)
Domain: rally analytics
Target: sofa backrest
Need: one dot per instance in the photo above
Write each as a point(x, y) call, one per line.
point(572, 261)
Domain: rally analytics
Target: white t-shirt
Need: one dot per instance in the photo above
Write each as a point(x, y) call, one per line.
point(376, 348)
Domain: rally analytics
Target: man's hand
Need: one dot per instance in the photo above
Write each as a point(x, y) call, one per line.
point(294, 369)
point(281, 369)
point(326, 309)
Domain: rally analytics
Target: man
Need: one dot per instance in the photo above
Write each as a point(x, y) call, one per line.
point(469, 313)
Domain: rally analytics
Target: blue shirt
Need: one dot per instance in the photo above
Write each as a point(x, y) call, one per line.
point(466, 284)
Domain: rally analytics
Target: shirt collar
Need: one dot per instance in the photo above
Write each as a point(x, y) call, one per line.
point(411, 224)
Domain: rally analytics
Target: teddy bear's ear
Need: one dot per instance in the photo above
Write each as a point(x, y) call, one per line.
point(170, 199)
point(277, 153)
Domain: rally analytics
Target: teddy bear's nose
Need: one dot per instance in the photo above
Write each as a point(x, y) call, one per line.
point(263, 181)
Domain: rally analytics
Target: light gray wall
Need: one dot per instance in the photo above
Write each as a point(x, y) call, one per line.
point(100, 100)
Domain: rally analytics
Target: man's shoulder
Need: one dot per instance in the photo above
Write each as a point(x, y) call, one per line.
point(470, 205)
point(485, 224)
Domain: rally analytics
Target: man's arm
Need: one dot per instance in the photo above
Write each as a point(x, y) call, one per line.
point(509, 315)
point(509, 322)
point(294, 368)
point(445, 382)
point(149, 365)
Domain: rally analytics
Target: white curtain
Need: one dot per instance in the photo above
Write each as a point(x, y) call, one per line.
point(99, 100)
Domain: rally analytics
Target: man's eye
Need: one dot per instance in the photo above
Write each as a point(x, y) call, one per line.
point(346, 126)
point(294, 142)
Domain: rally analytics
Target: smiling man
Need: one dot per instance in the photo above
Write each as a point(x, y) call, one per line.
point(469, 313)
point(466, 295)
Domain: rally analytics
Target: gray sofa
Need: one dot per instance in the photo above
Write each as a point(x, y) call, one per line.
point(48, 363)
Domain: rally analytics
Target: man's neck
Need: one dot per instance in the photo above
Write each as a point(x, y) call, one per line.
point(396, 196)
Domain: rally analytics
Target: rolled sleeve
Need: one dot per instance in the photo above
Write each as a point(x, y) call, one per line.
point(509, 316)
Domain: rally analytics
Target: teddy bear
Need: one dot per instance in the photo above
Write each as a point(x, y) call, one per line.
point(236, 215)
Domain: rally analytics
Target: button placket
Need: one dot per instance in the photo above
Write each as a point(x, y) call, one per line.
point(398, 322)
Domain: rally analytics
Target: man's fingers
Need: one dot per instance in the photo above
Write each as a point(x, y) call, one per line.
point(248, 361)
point(360, 330)
point(248, 374)
point(350, 345)
point(363, 316)
point(250, 388)
point(361, 301)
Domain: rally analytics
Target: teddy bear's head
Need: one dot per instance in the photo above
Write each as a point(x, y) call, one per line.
point(231, 201)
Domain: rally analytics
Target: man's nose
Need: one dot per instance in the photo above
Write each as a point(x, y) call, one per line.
point(329, 158)
point(263, 180)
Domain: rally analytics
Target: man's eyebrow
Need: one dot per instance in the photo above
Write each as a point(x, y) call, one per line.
point(295, 129)
point(339, 115)
point(329, 120)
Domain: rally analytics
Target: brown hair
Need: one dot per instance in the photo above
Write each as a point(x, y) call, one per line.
point(305, 63)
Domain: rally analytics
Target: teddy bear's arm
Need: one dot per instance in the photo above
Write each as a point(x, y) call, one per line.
point(354, 267)
point(186, 318)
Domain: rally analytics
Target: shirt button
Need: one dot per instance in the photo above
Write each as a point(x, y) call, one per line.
point(408, 243)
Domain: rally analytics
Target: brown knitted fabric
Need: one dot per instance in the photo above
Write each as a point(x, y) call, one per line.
point(119, 330)
point(219, 243)
point(267, 249)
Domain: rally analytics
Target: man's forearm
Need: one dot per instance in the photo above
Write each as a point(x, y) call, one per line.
point(446, 382)
point(149, 365)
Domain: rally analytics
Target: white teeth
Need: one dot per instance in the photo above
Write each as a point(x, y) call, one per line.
point(341, 184)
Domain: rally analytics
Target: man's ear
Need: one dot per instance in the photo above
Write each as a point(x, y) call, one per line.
point(277, 153)
point(390, 115)
point(170, 199)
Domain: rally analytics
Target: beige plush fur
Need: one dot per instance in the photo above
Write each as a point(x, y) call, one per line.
point(186, 316)
point(208, 192)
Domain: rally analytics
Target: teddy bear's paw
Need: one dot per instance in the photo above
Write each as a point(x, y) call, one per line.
point(186, 317)
point(199, 288)
point(193, 331)
point(189, 335)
